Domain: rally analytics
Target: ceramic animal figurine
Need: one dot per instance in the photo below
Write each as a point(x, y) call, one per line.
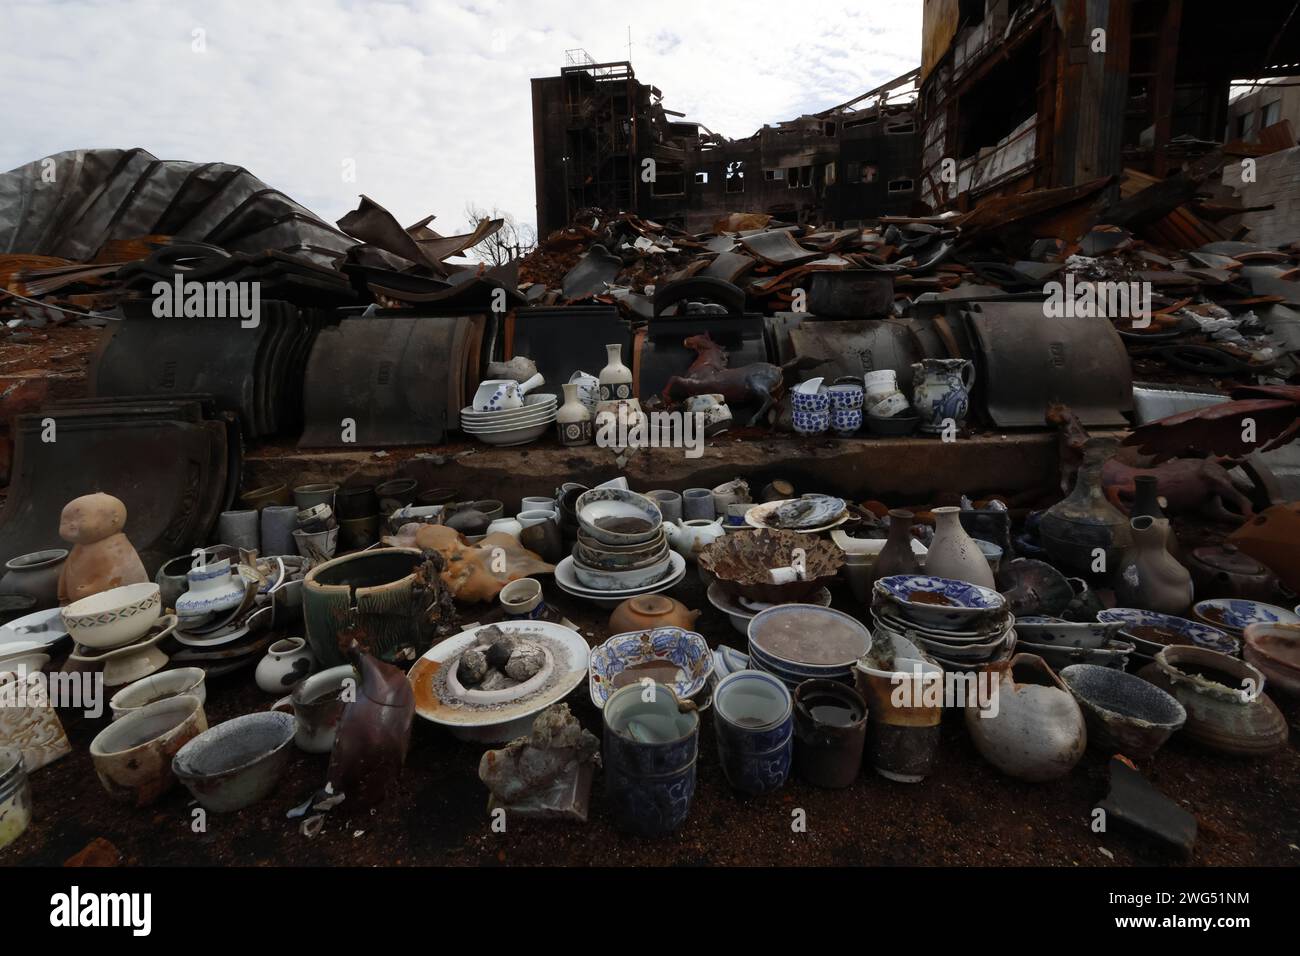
point(759, 382)
point(101, 556)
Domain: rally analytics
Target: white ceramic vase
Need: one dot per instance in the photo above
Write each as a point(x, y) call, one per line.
point(954, 554)
point(615, 377)
point(573, 421)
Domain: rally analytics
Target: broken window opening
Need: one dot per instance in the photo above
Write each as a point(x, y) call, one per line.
point(901, 185)
point(900, 127)
point(670, 180)
point(701, 179)
point(773, 175)
point(735, 178)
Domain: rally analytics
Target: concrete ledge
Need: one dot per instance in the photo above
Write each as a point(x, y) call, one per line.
point(896, 469)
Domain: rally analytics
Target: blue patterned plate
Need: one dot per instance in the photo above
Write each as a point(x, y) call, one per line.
point(686, 649)
point(938, 602)
point(1134, 620)
point(1235, 616)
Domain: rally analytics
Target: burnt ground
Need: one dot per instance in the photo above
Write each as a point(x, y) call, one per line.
point(966, 814)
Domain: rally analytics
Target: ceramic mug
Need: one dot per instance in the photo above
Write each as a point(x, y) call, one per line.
point(881, 382)
point(669, 502)
point(697, 503)
point(754, 729)
point(649, 748)
point(846, 397)
point(317, 705)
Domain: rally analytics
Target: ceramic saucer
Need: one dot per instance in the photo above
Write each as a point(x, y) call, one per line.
point(124, 665)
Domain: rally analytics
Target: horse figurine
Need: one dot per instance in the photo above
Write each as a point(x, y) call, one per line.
point(709, 373)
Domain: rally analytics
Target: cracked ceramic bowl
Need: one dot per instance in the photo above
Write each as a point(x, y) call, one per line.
point(1124, 713)
point(115, 617)
point(1234, 615)
point(936, 602)
point(133, 756)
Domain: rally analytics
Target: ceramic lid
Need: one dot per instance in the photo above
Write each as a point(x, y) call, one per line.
point(1228, 559)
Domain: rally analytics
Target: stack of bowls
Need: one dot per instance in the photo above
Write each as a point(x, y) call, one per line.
point(961, 626)
point(797, 642)
point(1062, 643)
point(812, 411)
point(1150, 632)
point(511, 426)
point(621, 551)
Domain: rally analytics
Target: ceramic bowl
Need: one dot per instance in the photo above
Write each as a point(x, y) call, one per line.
point(1275, 650)
point(740, 564)
point(567, 582)
point(114, 617)
point(238, 762)
point(740, 616)
point(133, 756)
point(157, 687)
point(1111, 654)
point(621, 580)
point(1124, 713)
point(939, 602)
point(1152, 631)
point(818, 641)
point(967, 653)
point(1234, 616)
point(1045, 631)
point(686, 650)
point(513, 436)
point(755, 704)
point(619, 517)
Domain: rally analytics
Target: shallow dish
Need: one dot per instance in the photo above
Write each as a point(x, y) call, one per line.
point(1152, 631)
point(631, 579)
point(822, 510)
point(568, 582)
point(674, 646)
point(1234, 615)
point(1052, 631)
point(114, 617)
point(997, 627)
point(740, 616)
point(809, 636)
point(1275, 650)
point(514, 436)
point(41, 628)
point(951, 602)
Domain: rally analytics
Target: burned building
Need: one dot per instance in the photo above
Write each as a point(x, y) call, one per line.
point(596, 126)
point(1023, 94)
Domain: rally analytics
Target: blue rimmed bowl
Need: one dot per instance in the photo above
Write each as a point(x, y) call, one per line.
point(1042, 631)
point(1151, 632)
point(939, 602)
point(1234, 616)
point(687, 650)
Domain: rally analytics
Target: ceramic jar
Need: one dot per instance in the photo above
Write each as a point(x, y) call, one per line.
point(287, 662)
point(212, 589)
point(1227, 709)
point(1224, 572)
point(754, 729)
point(903, 732)
point(521, 600)
point(615, 377)
point(1034, 729)
point(356, 501)
point(698, 504)
point(278, 525)
point(320, 493)
point(1149, 578)
point(396, 493)
point(1146, 501)
point(240, 529)
point(370, 589)
point(691, 537)
point(830, 729)
point(15, 796)
point(540, 533)
point(573, 420)
point(941, 391)
point(649, 749)
point(317, 705)
point(35, 575)
point(897, 556)
point(588, 389)
point(373, 734)
point(645, 612)
point(954, 554)
point(1084, 534)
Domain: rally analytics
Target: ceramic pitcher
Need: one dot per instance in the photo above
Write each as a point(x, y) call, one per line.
point(941, 391)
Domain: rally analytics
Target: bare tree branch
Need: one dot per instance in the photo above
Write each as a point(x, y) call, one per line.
point(512, 241)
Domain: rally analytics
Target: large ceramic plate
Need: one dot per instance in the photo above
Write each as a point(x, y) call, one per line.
point(1197, 635)
point(809, 637)
point(49, 625)
point(492, 723)
point(569, 583)
point(822, 517)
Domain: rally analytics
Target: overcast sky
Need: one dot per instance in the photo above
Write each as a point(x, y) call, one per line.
point(429, 99)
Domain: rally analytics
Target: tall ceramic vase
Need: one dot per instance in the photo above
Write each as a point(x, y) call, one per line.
point(1085, 534)
point(897, 556)
point(573, 420)
point(954, 554)
point(615, 377)
point(1149, 578)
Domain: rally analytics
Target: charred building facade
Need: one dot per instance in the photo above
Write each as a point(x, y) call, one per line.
point(595, 126)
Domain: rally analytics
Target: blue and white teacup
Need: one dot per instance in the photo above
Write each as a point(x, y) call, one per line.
point(754, 728)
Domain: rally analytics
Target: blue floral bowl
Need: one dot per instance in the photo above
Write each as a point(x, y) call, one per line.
point(1143, 629)
point(810, 401)
point(686, 649)
point(1235, 616)
point(938, 602)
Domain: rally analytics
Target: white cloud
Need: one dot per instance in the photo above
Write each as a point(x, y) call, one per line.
point(431, 99)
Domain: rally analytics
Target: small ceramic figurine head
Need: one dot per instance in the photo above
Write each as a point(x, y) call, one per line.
point(91, 518)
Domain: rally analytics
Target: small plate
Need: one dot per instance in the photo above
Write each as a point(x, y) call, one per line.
point(50, 624)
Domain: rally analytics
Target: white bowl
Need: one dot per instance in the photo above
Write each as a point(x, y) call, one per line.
point(160, 686)
point(621, 580)
point(115, 617)
point(514, 436)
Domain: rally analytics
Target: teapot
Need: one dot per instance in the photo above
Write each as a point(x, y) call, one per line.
point(689, 538)
point(499, 394)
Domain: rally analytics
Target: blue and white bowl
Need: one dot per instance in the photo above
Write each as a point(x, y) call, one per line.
point(963, 604)
point(687, 649)
point(815, 402)
point(846, 397)
point(1039, 630)
point(1192, 632)
point(1234, 616)
point(811, 423)
point(846, 421)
